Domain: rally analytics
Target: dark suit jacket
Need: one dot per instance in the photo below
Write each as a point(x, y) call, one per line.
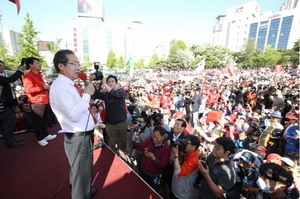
point(6, 94)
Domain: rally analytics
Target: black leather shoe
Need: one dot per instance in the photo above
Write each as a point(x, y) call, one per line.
point(19, 140)
point(93, 192)
point(16, 144)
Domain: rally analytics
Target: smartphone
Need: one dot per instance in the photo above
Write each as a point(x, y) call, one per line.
point(204, 164)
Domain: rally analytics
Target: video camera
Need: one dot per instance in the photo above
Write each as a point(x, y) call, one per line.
point(98, 74)
point(181, 143)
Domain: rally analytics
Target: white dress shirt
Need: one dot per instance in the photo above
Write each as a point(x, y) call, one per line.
point(69, 107)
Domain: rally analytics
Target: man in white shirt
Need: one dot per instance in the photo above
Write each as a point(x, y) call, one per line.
point(70, 105)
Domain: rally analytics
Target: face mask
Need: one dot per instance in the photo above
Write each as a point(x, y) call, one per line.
point(263, 186)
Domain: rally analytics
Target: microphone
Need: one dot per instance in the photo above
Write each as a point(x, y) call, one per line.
point(83, 77)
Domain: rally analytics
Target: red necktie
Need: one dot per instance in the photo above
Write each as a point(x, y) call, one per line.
point(80, 91)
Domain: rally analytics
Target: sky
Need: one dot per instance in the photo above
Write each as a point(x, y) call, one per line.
point(163, 19)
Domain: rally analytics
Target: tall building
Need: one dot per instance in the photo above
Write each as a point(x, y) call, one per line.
point(289, 5)
point(94, 37)
point(279, 30)
point(11, 39)
point(231, 30)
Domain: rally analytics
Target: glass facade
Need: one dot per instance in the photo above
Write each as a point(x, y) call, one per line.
point(253, 30)
point(262, 34)
point(85, 40)
point(273, 32)
point(285, 32)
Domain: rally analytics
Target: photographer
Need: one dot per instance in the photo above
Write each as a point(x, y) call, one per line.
point(140, 129)
point(155, 158)
point(174, 137)
point(116, 116)
point(185, 173)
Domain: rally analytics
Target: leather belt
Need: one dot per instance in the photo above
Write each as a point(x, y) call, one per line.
point(79, 134)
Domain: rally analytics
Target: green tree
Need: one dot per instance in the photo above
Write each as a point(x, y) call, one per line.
point(184, 58)
point(214, 55)
point(120, 62)
point(28, 42)
point(10, 63)
point(139, 64)
point(153, 61)
point(246, 57)
point(111, 60)
point(294, 53)
point(271, 56)
point(176, 46)
point(86, 63)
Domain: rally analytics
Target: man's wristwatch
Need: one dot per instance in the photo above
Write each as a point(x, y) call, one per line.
point(176, 157)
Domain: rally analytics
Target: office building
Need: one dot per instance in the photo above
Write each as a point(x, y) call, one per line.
point(289, 5)
point(94, 37)
point(232, 30)
point(279, 30)
point(11, 39)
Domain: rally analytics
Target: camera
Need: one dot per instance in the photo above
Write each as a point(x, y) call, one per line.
point(249, 179)
point(181, 143)
point(98, 74)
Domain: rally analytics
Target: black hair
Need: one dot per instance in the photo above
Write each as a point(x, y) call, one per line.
point(23, 61)
point(183, 124)
point(112, 76)
point(1, 61)
point(160, 129)
point(226, 143)
point(275, 172)
point(29, 61)
point(61, 57)
point(194, 140)
point(93, 105)
point(144, 118)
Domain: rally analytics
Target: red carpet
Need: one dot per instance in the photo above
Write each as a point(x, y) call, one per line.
point(35, 172)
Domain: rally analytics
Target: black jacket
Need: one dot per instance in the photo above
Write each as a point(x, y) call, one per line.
point(6, 95)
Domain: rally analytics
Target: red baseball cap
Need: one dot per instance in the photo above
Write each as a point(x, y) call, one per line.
point(261, 148)
point(274, 158)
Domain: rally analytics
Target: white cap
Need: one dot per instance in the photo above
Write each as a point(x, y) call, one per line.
point(288, 161)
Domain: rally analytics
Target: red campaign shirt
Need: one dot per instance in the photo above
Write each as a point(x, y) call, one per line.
point(33, 85)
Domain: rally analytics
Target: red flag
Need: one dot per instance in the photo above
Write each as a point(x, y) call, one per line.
point(17, 2)
point(230, 68)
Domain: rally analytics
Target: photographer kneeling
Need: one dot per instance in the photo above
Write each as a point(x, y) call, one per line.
point(186, 170)
point(139, 128)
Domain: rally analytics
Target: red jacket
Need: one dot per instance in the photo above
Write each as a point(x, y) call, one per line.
point(33, 85)
point(162, 157)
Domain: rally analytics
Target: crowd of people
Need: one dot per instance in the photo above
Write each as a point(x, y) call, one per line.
point(231, 136)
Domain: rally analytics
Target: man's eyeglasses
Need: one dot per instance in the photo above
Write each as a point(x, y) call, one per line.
point(74, 64)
